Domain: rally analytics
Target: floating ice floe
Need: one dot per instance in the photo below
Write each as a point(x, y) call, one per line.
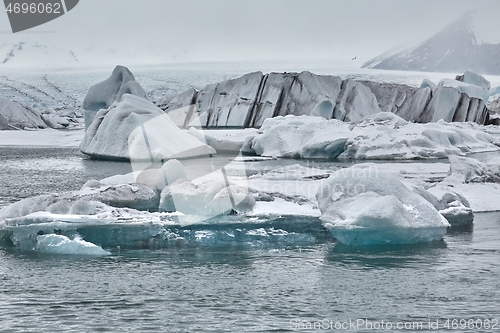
point(91, 200)
point(212, 195)
point(380, 136)
point(365, 206)
point(469, 178)
point(227, 140)
point(294, 172)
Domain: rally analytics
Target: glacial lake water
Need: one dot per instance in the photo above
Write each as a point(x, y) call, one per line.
point(247, 287)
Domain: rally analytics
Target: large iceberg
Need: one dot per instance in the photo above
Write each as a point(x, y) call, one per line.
point(380, 136)
point(249, 100)
point(103, 94)
point(431, 103)
point(131, 127)
point(366, 206)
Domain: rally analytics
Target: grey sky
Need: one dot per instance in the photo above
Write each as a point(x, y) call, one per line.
point(244, 30)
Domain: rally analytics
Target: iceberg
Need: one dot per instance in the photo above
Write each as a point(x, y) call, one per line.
point(380, 136)
point(210, 196)
point(122, 124)
point(474, 79)
point(301, 137)
point(249, 100)
point(469, 170)
point(135, 128)
point(471, 90)
point(366, 206)
point(93, 199)
point(13, 116)
point(469, 178)
point(103, 94)
point(453, 206)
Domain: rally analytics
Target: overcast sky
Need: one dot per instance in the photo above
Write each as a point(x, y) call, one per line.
point(211, 30)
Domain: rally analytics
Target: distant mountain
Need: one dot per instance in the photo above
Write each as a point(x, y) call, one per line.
point(454, 49)
point(32, 54)
point(54, 54)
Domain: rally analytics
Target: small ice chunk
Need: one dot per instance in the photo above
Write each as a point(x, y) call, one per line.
point(59, 244)
point(207, 197)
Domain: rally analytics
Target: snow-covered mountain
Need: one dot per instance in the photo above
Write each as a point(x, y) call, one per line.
point(30, 54)
point(46, 52)
point(456, 48)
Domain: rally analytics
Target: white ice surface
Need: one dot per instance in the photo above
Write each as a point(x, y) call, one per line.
point(223, 140)
point(282, 207)
point(476, 181)
point(483, 197)
point(45, 138)
point(381, 136)
point(59, 244)
point(471, 90)
point(136, 129)
point(363, 205)
point(15, 116)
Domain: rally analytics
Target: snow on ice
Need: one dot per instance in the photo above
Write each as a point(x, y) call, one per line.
point(13, 116)
point(122, 124)
point(366, 206)
point(381, 136)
